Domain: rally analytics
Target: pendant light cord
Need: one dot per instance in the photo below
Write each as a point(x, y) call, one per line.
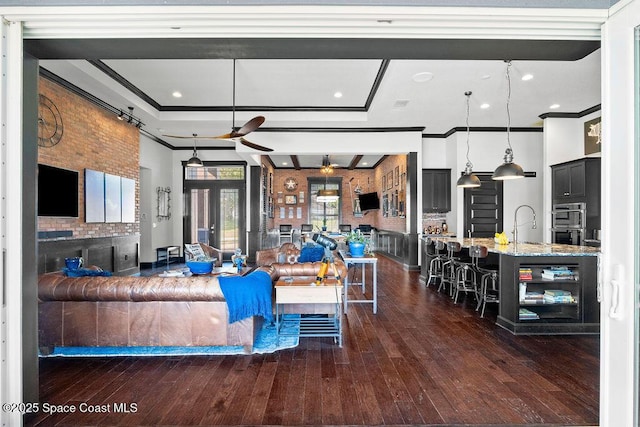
point(195, 138)
point(469, 165)
point(508, 111)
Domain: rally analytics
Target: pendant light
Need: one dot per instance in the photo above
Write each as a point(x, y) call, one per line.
point(468, 179)
point(194, 161)
point(327, 195)
point(508, 170)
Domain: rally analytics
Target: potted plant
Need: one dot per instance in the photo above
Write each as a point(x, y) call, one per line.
point(357, 242)
point(324, 224)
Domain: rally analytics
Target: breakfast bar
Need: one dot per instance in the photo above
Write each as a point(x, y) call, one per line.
point(544, 288)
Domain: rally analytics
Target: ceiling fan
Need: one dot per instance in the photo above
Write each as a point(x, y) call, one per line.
point(239, 134)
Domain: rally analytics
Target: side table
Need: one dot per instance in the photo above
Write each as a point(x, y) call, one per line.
point(363, 262)
point(319, 307)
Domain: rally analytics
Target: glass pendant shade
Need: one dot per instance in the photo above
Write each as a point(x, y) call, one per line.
point(326, 196)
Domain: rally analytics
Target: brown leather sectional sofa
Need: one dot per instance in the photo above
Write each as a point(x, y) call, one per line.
point(137, 311)
point(284, 261)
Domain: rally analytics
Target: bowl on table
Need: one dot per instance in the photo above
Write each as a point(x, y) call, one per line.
point(200, 267)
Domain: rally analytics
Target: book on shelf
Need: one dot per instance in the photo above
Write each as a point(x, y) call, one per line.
point(525, 273)
point(525, 314)
point(554, 273)
point(557, 292)
point(558, 296)
point(533, 298)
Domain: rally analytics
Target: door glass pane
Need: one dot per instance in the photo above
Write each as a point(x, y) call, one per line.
point(229, 227)
point(200, 216)
point(320, 210)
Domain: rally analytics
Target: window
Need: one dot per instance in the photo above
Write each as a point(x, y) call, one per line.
point(318, 211)
point(214, 173)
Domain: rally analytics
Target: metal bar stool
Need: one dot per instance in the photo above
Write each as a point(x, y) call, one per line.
point(488, 274)
point(448, 274)
point(466, 278)
point(436, 260)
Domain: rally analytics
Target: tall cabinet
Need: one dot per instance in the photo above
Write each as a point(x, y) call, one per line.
point(436, 190)
point(579, 181)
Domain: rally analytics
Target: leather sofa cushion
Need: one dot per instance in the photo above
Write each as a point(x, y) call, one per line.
point(58, 287)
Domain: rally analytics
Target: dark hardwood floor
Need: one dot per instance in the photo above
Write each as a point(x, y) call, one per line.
point(419, 360)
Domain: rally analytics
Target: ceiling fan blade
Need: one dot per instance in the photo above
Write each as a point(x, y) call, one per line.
point(254, 146)
point(248, 127)
point(183, 136)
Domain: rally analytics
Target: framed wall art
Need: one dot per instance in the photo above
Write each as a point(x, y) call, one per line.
point(290, 199)
point(396, 176)
point(389, 181)
point(592, 134)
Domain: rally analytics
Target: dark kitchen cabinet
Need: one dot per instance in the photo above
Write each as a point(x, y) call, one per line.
point(436, 190)
point(576, 181)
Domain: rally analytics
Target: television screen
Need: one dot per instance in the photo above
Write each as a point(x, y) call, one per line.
point(369, 201)
point(57, 192)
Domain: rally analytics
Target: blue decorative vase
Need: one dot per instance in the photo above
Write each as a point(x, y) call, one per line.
point(356, 249)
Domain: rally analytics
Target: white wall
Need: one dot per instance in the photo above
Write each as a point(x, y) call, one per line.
point(486, 153)
point(156, 160)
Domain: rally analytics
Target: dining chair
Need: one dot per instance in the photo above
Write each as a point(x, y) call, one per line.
point(286, 233)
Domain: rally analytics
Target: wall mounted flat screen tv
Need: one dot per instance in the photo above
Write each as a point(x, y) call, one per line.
point(369, 201)
point(57, 192)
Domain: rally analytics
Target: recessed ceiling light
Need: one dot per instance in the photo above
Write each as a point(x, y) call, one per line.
point(527, 76)
point(401, 103)
point(160, 130)
point(337, 94)
point(484, 106)
point(177, 94)
point(284, 163)
point(364, 163)
point(486, 77)
point(422, 77)
point(554, 106)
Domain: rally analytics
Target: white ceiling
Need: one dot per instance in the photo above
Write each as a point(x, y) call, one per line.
point(299, 93)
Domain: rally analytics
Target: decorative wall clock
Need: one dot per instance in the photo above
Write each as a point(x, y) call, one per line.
point(290, 184)
point(50, 127)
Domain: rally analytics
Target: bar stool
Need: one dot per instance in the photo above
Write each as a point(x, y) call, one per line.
point(448, 273)
point(436, 260)
point(488, 273)
point(465, 278)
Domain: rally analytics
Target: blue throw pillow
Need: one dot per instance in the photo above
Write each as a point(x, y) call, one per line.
point(311, 254)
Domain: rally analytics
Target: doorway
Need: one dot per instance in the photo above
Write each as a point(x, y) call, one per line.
point(483, 208)
point(215, 203)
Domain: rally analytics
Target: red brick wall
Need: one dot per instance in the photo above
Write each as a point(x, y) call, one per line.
point(370, 180)
point(94, 139)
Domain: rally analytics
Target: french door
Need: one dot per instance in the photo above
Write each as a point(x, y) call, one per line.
point(214, 214)
point(620, 260)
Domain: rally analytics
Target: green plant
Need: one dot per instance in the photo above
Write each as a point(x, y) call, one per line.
point(356, 236)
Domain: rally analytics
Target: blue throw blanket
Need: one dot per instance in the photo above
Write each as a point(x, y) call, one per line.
point(81, 272)
point(248, 295)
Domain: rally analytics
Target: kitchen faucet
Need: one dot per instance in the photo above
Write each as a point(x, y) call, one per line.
point(515, 222)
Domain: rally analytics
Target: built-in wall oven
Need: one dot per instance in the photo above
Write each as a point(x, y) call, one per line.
point(568, 223)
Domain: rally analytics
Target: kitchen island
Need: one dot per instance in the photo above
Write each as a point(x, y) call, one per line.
point(544, 288)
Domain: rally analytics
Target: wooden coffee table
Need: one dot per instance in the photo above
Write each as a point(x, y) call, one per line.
point(319, 307)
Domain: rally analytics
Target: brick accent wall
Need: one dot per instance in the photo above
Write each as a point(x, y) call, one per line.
point(370, 180)
point(390, 222)
point(94, 139)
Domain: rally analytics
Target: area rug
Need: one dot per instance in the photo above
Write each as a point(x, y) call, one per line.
point(266, 342)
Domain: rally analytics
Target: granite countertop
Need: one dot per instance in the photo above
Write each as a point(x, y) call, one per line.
point(527, 248)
